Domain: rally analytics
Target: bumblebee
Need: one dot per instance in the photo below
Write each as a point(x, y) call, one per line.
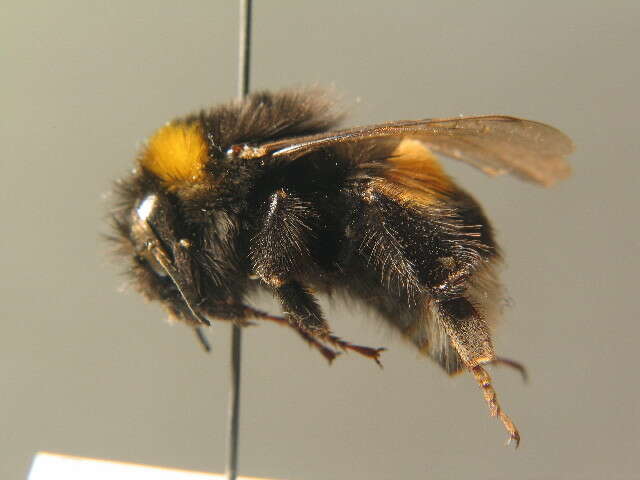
point(263, 193)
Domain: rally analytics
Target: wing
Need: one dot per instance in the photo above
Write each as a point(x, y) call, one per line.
point(496, 144)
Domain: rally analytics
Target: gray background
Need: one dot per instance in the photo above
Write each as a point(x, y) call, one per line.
point(87, 370)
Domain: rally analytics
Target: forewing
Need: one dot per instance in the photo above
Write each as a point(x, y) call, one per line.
point(495, 144)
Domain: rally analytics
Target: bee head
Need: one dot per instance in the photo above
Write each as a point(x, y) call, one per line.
point(150, 234)
point(150, 220)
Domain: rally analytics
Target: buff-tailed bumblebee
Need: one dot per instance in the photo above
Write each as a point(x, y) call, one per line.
point(262, 194)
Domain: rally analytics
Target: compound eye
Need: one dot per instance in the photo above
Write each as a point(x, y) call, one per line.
point(145, 239)
point(147, 207)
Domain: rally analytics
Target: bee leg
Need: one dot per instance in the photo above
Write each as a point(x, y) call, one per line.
point(326, 352)
point(469, 335)
point(484, 380)
point(369, 352)
point(302, 310)
point(454, 284)
point(507, 362)
point(278, 251)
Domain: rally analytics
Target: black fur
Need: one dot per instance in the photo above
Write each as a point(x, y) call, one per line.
point(316, 222)
point(330, 213)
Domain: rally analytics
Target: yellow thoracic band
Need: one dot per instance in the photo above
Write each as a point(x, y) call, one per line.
point(176, 154)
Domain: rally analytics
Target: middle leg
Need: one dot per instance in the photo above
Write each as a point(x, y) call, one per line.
point(281, 252)
point(328, 353)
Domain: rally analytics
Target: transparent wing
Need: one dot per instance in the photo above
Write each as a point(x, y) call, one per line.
point(495, 144)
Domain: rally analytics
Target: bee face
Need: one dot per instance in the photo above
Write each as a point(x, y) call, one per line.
point(150, 237)
point(262, 194)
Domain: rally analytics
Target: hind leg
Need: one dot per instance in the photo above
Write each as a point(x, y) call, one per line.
point(432, 258)
point(469, 336)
